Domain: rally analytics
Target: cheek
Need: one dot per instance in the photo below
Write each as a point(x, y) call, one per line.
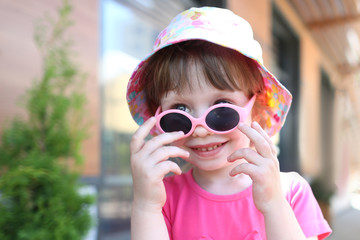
point(240, 139)
point(180, 143)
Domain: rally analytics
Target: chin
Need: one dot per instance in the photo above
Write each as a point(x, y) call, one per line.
point(208, 165)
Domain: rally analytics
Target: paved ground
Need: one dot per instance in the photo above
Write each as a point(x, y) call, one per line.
point(346, 225)
point(120, 236)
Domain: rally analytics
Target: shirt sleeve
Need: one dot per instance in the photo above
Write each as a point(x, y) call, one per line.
point(307, 210)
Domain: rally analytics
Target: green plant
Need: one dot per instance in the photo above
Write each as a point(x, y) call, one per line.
point(323, 190)
point(39, 187)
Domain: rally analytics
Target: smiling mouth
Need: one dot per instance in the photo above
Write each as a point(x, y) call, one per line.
point(207, 149)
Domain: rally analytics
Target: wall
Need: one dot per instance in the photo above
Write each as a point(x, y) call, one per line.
point(20, 62)
point(310, 63)
point(258, 14)
point(342, 167)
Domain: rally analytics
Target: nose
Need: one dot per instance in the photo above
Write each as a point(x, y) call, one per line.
point(201, 131)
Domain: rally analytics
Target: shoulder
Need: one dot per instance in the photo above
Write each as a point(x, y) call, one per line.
point(178, 191)
point(293, 183)
point(306, 209)
point(290, 178)
point(296, 189)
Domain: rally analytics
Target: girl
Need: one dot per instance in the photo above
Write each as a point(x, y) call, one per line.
point(205, 96)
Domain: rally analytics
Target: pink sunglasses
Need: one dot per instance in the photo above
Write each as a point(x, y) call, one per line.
point(219, 119)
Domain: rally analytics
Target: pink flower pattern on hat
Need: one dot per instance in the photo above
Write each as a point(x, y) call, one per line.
point(222, 27)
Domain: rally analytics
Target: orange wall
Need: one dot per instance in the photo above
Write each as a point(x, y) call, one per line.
point(258, 14)
point(310, 82)
point(20, 62)
point(344, 154)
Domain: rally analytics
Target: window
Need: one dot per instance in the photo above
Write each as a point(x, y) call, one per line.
point(286, 61)
point(129, 29)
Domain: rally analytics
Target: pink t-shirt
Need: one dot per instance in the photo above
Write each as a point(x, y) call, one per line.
point(192, 213)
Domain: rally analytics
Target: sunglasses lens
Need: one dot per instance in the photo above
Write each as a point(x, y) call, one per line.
point(222, 119)
point(175, 122)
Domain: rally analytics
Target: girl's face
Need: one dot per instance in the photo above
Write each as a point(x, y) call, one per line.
point(208, 151)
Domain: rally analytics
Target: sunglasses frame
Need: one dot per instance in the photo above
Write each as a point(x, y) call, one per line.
point(242, 111)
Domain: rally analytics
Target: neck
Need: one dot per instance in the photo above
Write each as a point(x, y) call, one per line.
point(220, 182)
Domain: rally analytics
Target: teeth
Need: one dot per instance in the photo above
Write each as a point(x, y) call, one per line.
point(209, 148)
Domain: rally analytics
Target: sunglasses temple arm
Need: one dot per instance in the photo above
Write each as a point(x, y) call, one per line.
point(250, 104)
point(158, 110)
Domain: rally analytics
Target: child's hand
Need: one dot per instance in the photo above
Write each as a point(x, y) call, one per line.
point(149, 164)
point(262, 166)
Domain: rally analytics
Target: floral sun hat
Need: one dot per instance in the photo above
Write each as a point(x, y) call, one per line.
point(224, 28)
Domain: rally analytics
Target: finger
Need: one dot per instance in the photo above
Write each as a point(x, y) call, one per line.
point(166, 167)
point(164, 153)
point(248, 154)
point(261, 145)
point(245, 168)
point(160, 141)
point(138, 139)
point(262, 132)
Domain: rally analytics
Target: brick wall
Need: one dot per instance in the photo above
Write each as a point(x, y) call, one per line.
point(20, 62)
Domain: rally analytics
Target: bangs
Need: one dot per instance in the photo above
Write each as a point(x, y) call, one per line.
point(177, 67)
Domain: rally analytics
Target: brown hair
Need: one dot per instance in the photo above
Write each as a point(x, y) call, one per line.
point(169, 69)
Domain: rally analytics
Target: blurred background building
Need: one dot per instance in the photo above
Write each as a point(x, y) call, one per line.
point(312, 46)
